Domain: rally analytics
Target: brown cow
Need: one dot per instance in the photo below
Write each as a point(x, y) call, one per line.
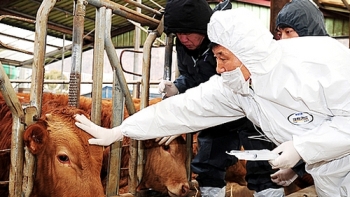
point(66, 164)
point(162, 175)
point(172, 156)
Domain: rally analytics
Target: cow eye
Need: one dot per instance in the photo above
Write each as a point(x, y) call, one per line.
point(63, 158)
point(166, 147)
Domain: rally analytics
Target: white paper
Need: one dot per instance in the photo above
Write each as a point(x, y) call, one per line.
point(254, 155)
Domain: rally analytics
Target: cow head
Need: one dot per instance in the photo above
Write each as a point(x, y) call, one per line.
point(165, 169)
point(66, 164)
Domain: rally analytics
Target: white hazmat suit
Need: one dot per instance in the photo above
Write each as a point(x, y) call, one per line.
point(300, 91)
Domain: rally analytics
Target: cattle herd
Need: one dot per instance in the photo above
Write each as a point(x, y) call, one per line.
point(68, 166)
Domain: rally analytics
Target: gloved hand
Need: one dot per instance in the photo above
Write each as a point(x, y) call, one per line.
point(284, 177)
point(167, 140)
point(288, 158)
point(168, 88)
point(103, 136)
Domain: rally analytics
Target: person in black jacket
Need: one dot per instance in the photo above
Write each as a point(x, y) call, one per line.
point(196, 63)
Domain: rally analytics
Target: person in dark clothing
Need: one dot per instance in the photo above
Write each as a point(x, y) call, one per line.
point(300, 18)
point(196, 63)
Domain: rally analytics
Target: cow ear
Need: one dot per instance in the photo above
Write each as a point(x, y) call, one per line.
point(36, 136)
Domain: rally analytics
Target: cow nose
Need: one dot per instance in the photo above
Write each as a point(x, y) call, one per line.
point(185, 189)
point(179, 190)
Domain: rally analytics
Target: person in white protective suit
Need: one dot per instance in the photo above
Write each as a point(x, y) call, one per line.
point(296, 90)
point(297, 18)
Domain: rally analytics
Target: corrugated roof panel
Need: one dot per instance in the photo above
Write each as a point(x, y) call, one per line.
point(24, 40)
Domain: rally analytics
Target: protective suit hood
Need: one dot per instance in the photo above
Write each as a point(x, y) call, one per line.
point(304, 17)
point(246, 37)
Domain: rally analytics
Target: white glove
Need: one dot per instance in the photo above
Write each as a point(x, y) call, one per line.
point(288, 158)
point(103, 136)
point(168, 88)
point(284, 177)
point(167, 140)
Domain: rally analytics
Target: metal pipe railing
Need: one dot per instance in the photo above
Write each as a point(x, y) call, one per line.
point(77, 50)
point(113, 179)
point(59, 81)
point(144, 7)
point(98, 58)
point(168, 56)
point(38, 73)
point(39, 53)
point(17, 145)
point(126, 12)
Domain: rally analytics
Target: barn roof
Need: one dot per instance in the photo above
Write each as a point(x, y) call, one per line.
point(17, 16)
point(17, 24)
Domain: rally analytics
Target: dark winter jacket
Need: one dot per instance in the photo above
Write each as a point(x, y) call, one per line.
point(195, 67)
point(190, 16)
point(304, 17)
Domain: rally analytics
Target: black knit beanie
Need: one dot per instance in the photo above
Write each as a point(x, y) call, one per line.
point(186, 16)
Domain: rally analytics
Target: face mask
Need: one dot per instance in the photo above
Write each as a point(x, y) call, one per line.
point(235, 81)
